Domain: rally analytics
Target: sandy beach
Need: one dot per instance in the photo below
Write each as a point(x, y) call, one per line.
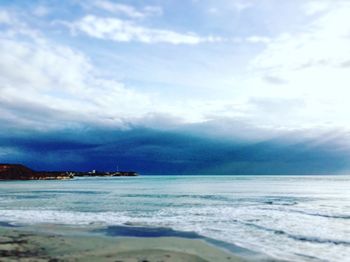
point(62, 243)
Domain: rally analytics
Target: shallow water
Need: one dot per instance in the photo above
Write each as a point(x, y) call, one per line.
point(298, 218)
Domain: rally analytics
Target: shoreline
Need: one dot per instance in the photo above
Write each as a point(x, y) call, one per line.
point(86, 243)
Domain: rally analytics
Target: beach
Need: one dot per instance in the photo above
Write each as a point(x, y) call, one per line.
point(253, 218)
point(67, 243)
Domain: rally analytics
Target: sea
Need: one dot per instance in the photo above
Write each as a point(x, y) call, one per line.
point(296, 218)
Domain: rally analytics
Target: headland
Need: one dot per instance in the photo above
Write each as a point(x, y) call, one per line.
point(21, 172)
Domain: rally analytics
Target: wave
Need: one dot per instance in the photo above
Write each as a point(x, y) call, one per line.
point(322, 215)
point(302, 238)
point(175, 196)
point(337, 216)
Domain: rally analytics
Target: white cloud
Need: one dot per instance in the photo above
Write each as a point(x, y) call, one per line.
point(311, 64)
point(14, 25)
point(322, 42)
point(41, 10)
point(126, 31)
point(119, 30)
point(258, 39)
point(127, 10)
point(314, 7)
point(153, 10)
point(48, 85)
point(213, 10)
point(223, 6)
point(5, 17)
point(241, 5)
point(44, 84)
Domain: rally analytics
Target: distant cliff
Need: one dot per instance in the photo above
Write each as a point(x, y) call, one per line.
point(21, 172)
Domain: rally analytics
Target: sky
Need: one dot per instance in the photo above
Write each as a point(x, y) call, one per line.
point(247, 87)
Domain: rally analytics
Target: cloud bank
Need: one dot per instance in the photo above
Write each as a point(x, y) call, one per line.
point(163, 152)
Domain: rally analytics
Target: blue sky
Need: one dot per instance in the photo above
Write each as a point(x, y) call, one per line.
point(240, 86)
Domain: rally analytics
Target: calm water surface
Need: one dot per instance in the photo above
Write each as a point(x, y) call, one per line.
point(298, 218)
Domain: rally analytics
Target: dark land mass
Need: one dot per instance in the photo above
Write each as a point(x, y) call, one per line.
point(21, 172)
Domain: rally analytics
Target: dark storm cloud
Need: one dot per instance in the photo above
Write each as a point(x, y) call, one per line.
point(151, 151)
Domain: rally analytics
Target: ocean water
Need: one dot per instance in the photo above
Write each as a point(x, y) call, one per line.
point(296, 218)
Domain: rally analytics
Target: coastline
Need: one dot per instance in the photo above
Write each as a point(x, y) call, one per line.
point(67, 243)
point(18, 172)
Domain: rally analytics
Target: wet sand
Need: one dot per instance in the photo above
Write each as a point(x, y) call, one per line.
point(55, 243)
